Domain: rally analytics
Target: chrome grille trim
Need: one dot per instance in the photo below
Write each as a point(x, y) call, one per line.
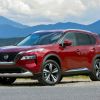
point(7, 63)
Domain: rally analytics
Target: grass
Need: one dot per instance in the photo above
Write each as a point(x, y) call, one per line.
point(77, 77)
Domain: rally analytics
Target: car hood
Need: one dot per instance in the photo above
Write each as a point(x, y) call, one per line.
point(17, 48)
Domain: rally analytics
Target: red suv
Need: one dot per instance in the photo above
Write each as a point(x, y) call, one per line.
point(49, 55)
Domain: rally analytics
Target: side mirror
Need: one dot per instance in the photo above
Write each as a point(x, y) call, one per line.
point(66, 43)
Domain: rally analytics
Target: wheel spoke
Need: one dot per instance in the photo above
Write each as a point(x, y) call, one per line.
point(99, 64)
point(98, 73)
point(48, 77)
point(55, 71)
point(50, 67)
point(54, 78)
point(97, 67)
point(45, 71)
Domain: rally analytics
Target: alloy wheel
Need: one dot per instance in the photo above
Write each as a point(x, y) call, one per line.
point(51, 73)
point(97, 69)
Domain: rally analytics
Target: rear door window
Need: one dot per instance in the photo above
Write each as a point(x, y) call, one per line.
point(83, 39)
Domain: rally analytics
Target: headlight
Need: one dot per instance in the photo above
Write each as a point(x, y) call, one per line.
point(36, 50)
point(28, 57)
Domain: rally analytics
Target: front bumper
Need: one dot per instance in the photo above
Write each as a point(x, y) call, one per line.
point(6, 67)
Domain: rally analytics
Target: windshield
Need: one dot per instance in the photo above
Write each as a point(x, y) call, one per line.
point(41, 38)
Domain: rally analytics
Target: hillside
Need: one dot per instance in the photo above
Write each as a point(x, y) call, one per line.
point(10, 41)
point(6, 21)
point(11, 29)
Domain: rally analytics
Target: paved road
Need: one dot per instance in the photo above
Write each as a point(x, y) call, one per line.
point(66, 90)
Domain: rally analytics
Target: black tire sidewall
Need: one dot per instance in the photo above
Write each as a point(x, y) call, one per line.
point(6, 81)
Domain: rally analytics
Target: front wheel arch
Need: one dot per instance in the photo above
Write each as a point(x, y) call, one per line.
point(53, 57)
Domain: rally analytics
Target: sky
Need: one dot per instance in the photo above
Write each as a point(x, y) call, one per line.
point(34, 12)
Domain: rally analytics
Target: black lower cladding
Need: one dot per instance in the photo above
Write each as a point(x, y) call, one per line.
point(12, 70)
point(8, 57)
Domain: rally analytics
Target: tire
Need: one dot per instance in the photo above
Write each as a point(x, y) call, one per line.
point(7, 81)
point(61, 78)
point(95, 75)
point(51, 73)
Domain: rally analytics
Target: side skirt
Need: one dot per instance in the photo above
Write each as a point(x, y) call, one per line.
point(80, 71)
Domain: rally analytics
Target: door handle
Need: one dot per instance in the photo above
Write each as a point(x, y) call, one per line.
point(92, 50)
point(78, 52)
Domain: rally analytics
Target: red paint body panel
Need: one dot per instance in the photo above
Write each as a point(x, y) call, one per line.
point(69, 57)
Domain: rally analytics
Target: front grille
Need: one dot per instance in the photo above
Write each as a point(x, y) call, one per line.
point(8, 57)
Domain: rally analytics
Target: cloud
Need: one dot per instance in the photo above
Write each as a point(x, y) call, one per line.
point(49, 11)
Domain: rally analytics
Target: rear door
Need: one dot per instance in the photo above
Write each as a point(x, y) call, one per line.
point(85, 46)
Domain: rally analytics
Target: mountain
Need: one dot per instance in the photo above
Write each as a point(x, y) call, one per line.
point(94, 27)
point(68, 25)
point(11, 29)
point(7, 31)
point(6, 21)
point(10, 41)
